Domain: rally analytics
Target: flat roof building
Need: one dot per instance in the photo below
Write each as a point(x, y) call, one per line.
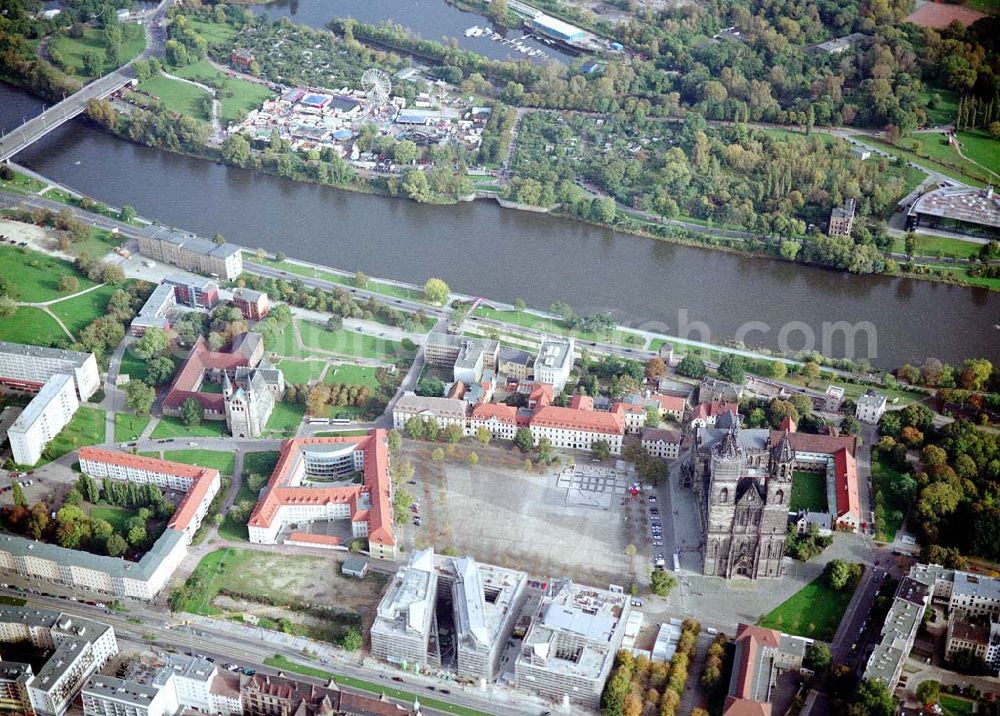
point(570, 648)
point(180, 248)
point(960, 209)
point(46, 415)
point(29, 367)
point(153, 313)
point(870, 407)
point(554, 362)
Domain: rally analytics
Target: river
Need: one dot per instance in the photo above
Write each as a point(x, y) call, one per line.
point(481, 249)
point(430, 19)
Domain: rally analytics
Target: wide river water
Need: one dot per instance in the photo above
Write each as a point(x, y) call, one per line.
point(482, 249)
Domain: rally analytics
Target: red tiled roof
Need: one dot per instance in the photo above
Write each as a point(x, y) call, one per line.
point(581, 402)
point(541, 393)
point(745, 707)
point(457, 390)
point(308, 537)
point(202, 477)
point(670, 403)
point(750, 640)
point(376, 484)
point(552, 416)
point(502, 412)
point(788, 425)
point(808, 442)
point(846, 477)
point(627, 408)
point(198, 361)
point(714, 409)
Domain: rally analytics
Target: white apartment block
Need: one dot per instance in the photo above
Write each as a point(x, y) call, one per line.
point(554, 362)
point(870, 407)
point(405, 619)
point(46, 415)
point(81, 647)
point(661, 443)
point(183, 683)
point(30, 367)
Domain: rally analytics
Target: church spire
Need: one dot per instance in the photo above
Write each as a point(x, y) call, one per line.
point(730, 446)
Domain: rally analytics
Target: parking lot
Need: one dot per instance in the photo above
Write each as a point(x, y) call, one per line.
point(512, 518)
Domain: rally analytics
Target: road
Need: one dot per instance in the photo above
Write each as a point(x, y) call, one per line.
point(158, 629)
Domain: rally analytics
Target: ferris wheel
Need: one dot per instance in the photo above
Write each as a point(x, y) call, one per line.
point(376, 85)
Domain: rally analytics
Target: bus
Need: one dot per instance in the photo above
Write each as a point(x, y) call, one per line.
point(677, 563)
point(317, 421)
point(340, 421)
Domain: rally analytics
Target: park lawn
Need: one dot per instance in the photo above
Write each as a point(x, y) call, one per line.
point(134, 366)
point(170, 427)
point(956, 706)
point(86, 428)
point(286, 345)
point(943, 245)
point(215, 33)
point(936, 146)
point(73, 49)
point(808, 492)
point(115, 516)
point(882, 478)
point(179, 97)
point(285, 417)
point(261, 463)
point(352, 375)
point(98, 244)
point(224, 462)
point(37, 275)
point(21, 184)
point(285, 664)
point(129, 427)
point(80, 311)
point(946, 110)
point(540, 323)
point(903, 152)
point(301, 371)
point(816, 605)
point(238, 96)
point(965, 276)
point(385, 289)
point(33, 326)
point(980, 147)
point(345, 342)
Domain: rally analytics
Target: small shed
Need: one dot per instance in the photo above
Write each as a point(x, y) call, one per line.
point(355, 567)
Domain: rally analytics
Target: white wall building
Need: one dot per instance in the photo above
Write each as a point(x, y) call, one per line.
point(46, 415)
point(30, 367)
point(871, 407)
point(443, 411)
point(554, 362)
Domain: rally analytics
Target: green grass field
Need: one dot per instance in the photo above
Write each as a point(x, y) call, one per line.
point(115, 516)
point(882, 478)
point(224, 462)
point(378, 287)
point(945, 111)
point(808, 492)
point(932, 245)
point(964, 275)
point(134, 366)
point(238, 96)
point(213, 32)
point(129, 427)
point(73, 49)
point(530, 320)
point(261, 463)
point(86, 428)
point(21, 184)
point(344, 342)
point(31, 325)
point(957, 706)
point(813, 611)
point(98, 244)
point(980, 147)
point(37, 275)
point(170, 427)
point(78, 312)
point(903, 152)
point(280, 662)
point(285, 417)
point(352, 375)
point(297, 371)
point(180, 97)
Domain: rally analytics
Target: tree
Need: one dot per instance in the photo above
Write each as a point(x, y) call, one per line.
point(140, 397)
point(631, 550)
point(655, 368)
point(929, 692)
point(352, 640)
point(405, 152)
point(17, 493)
point(661, 582)
point(69, 284)
point(473, 458)
point(731, 368)
point(93, 65)
point(395, 441)
point(872, 698)
point(483, 435)
point(154, 342)
point(127, 214)
point(436, 291)
point(601, 449)
point(838, 573)
point(334, 323)
point(8, 307)
point(191, 412)
point(437, 454)
point(524, 440)
point(416, 427)
point(652, 416)
point(818, 656)
point(115, 546)
point(692, 366)
point(453, 434)
point(789, 249)
point(810, 371)
point(416, 185)
point(160, 370)
point(236, 151)
point(112, 274)
point(910, 243)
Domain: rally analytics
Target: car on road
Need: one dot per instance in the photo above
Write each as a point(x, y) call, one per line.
point(652, 498)
point(192, 444)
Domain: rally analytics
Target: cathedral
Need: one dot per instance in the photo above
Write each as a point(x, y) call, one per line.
point(744, 505)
